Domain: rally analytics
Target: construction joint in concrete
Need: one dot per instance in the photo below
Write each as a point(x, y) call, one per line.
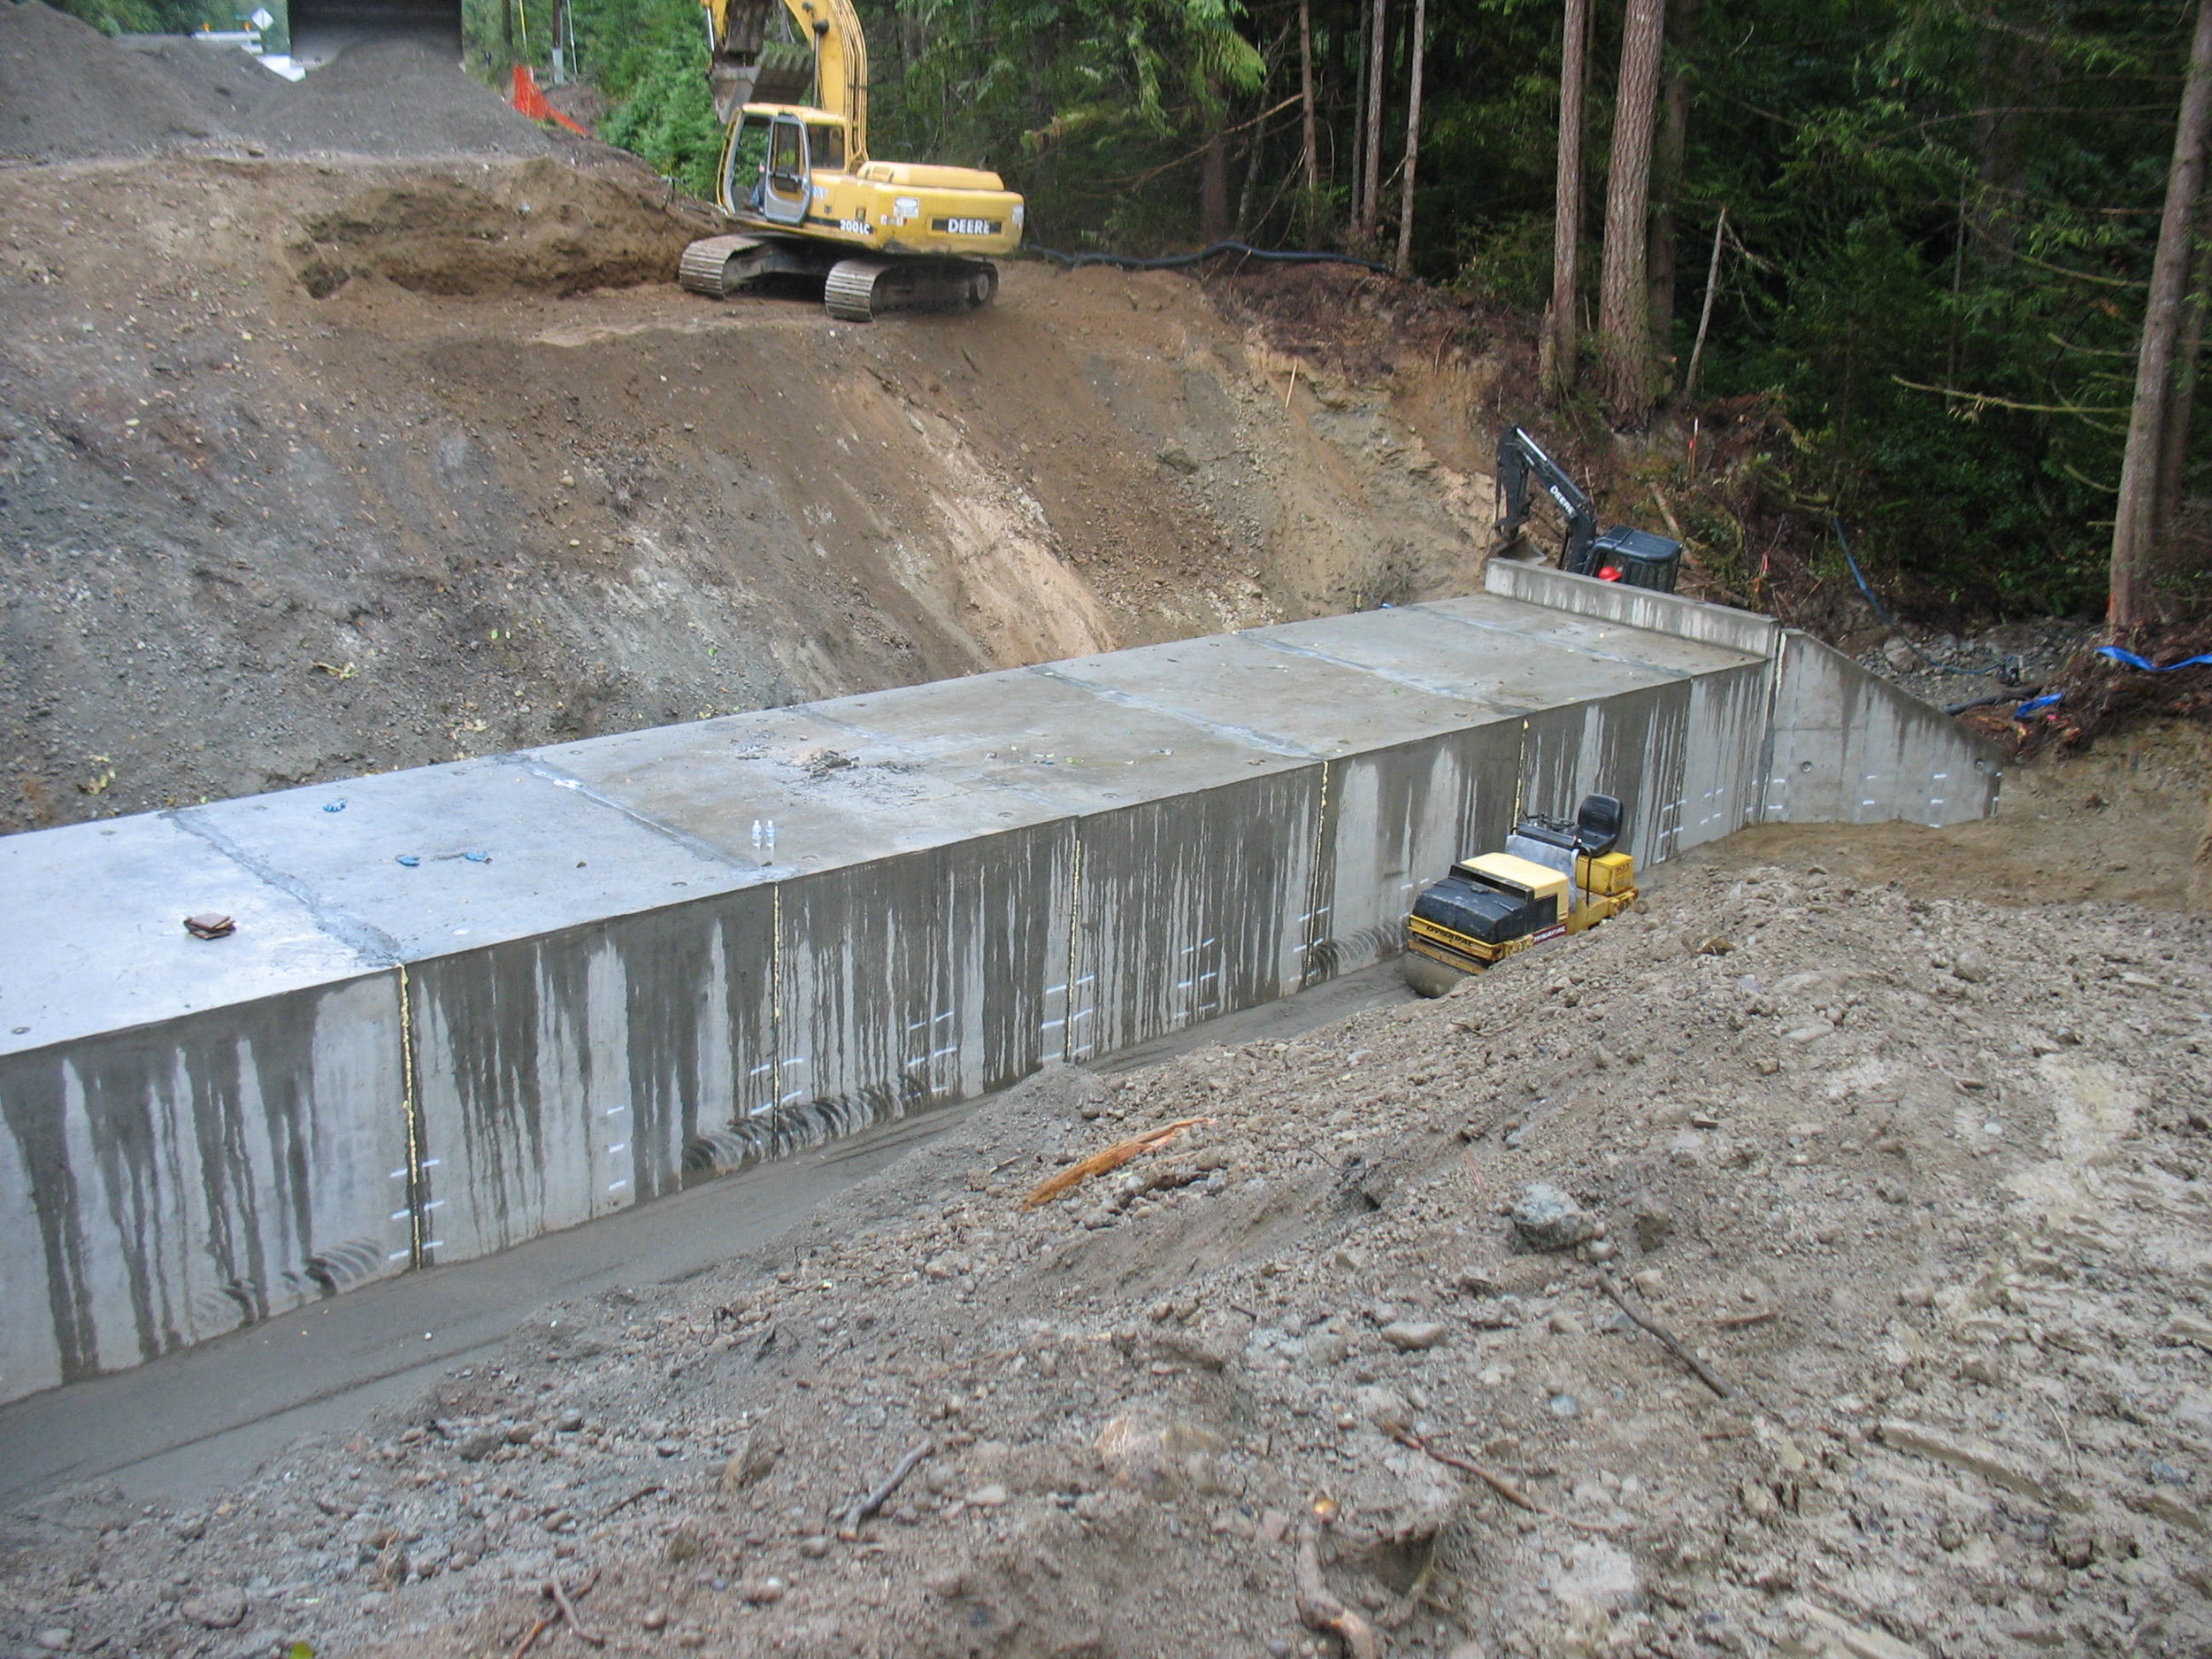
point(472, 1003)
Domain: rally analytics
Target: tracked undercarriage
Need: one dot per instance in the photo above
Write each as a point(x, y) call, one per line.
point(856, 290)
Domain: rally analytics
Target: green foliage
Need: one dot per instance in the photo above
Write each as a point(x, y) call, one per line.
point(1947, 238)
point(154, 17)
point(666, 113)
point(1097, 112)
point(1943, 210)
point(1509, 263)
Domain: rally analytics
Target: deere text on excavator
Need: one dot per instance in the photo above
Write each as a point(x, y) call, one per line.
point(795, 173)
point(1555, 877)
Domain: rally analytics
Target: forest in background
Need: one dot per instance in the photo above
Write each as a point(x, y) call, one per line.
point(1930, 224)
point(1940, 215)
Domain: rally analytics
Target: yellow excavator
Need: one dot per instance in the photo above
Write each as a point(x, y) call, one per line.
point(795, 173)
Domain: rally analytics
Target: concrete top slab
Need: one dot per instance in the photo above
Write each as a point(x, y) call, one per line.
point(99, 942)
point(570, 834)
point(1282, 701)
point(837, 794)
point(1068, 747)
point(1443, 655)
point(1591, 635)
point(504, 848)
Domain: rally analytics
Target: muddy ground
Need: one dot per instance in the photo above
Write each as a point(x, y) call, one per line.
point(321, 460)
point(1917, 1178)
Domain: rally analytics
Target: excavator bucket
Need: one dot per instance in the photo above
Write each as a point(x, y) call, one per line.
point(747, 66)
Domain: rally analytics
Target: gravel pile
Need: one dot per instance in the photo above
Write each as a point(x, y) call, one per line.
point(2010, 660)
point(1917, 1183)
point(68, 92)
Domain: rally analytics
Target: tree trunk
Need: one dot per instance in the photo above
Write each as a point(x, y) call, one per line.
point(1213, 183)
point(2133, 601)
point(1359, 114)
point(1310, 153)
point(1332, 91)
point(1705, 313)
point(2173, 443)
point(1561, 332)
point(1413, 137)
point(1624, 297)
point(1666, 170)
point(1249, 195)
point(1371, 179)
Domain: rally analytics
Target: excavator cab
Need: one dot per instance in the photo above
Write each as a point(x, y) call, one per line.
point(807, 198)
point(785, 182)
point(747, 180)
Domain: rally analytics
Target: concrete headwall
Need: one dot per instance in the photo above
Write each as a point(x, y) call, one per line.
point(474, 1003)
point(1744, 631)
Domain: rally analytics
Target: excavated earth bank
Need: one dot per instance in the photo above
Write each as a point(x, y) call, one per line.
point(355, 424)
point(359, 424)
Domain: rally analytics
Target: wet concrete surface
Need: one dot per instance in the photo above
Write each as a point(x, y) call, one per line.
point(209, 1416)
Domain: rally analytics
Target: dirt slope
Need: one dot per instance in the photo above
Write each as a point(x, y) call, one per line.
point(1919, 1180)
point(2118, 824)
point(316, 461)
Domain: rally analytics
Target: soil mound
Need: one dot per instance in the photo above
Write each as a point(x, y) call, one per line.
point(542, 227)
point(69, 93)
point(397, 99)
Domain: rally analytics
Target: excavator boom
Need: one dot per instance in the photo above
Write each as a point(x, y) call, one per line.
point(746, 66)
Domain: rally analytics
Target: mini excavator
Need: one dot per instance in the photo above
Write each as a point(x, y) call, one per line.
point(1556, 876)
point(1637, 558)
point(795, 174)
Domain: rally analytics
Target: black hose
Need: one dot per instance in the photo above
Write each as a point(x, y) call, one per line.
point(2015, 696)
point(1179, 261)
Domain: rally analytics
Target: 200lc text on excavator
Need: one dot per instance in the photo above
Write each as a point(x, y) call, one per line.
point(796, 175)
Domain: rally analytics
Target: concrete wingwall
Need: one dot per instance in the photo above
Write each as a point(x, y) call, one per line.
point(1851, 749)
point(1843, 745)
point(984, 876)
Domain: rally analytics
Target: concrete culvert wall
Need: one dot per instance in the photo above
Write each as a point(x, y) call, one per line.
point(472, 1003)
point(321, 29)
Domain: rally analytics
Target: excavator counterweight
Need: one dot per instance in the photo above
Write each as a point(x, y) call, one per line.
point(809, 199)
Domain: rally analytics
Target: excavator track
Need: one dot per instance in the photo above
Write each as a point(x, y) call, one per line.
point(719, 266)
point(860, 290)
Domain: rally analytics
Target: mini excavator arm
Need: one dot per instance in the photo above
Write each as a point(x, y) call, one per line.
point(1521, 457)
point(743, 61)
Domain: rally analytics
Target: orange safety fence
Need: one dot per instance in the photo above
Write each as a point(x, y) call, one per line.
point(531, 100)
